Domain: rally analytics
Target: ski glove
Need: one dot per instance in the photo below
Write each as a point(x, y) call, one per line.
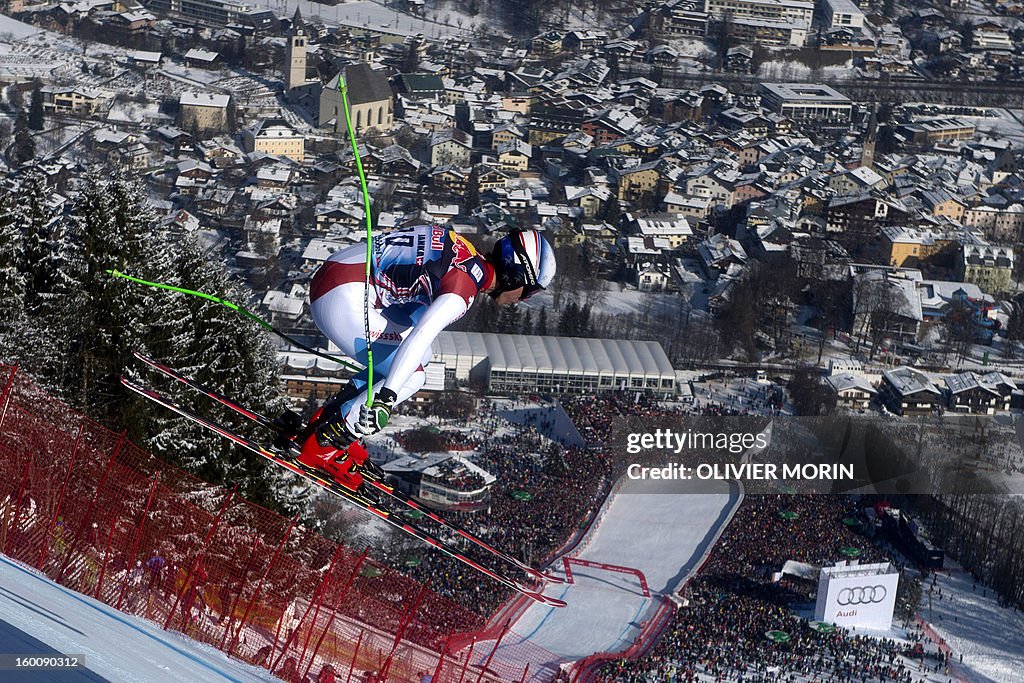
point(373, 418)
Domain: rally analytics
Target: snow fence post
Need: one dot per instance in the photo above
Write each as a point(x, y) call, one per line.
point(334, 612)
point(317, 598)
point(277, 632)
point(11, 529)
point(465, 662)
point(321, 592)
point(5, 395)
point(259, 586)
point(440, 660)
point(355, 654)
point(138, 540)
point(87, 519)
point(199, 556)
point(241, 587)
point(60, 496)
point(106, 557)
point(402, 628)
point(497, 643)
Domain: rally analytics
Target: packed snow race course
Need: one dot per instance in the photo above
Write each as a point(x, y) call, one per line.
point(40, 618)
point(663, 534)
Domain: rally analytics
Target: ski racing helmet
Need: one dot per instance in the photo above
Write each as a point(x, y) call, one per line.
point(523, 258)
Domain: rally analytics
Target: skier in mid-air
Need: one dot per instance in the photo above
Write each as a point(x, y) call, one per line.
point(422, 280)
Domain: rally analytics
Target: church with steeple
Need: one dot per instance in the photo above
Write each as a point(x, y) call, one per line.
point(296, 85)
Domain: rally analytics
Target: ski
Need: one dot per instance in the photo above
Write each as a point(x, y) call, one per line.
point(203, 389)
point(366, 499)
point(373, 472)
point(376, 476)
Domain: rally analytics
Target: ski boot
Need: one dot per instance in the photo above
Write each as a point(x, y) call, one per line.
point(373, 471)
point(288, 425)
point(292, 432)
point(367, 468)
point(330, 446)
point(341, 464)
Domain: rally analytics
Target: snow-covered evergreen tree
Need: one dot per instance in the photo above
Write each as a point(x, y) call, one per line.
point(80, 325)
point(112, 229)
point(542, 322)
point(12, 280)
point(223, 350)
point(38, 219)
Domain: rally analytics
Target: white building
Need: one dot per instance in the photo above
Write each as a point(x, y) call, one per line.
point(673, 228)
point(852, 390)
point(856, 181)
point(512, 363)
point(443, 481)
point(770, 32)
point(789, 10)
point(370, 100)
point(219, 12)
point(276, 137)
point(994, 40)
point(807, 102)
point(839, 366)
point(842, 13)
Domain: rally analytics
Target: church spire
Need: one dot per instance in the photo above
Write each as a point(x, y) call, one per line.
point(295, 56)
point(867, 152)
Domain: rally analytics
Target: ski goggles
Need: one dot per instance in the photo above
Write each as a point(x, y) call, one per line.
point(516, 268)
point(529, 275)
point(530, 290)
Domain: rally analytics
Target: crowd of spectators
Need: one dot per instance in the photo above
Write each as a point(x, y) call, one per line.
point(563, 486)
point(566, 485)
point(733, 603)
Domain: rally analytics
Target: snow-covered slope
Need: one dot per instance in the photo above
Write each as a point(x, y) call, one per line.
point(115, 646)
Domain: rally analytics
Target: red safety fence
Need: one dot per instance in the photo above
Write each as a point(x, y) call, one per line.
point(567, 563)
point(585, 670)
point(99, 515)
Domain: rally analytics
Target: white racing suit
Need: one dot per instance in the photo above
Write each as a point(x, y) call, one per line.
point(422, 280)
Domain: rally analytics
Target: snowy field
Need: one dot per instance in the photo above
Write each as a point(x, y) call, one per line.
point(116, 646)
point(662, 533)
point(970, 620)
point(789, 70)
point(616, 300)
point(1002, 124)
point(562, 428)
point(367, 14)
point(11, 29)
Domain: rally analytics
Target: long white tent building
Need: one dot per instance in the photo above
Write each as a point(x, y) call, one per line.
point(535, 364)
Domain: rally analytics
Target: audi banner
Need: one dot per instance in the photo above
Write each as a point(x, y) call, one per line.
point(861, 595)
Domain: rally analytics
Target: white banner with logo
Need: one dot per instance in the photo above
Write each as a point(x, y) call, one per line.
point(864, 601)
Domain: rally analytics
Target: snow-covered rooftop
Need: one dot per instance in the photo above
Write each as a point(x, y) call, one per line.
point(557, 355)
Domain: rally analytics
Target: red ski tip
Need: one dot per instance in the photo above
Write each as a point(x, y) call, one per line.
point(550, 578)
point(547, 601)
